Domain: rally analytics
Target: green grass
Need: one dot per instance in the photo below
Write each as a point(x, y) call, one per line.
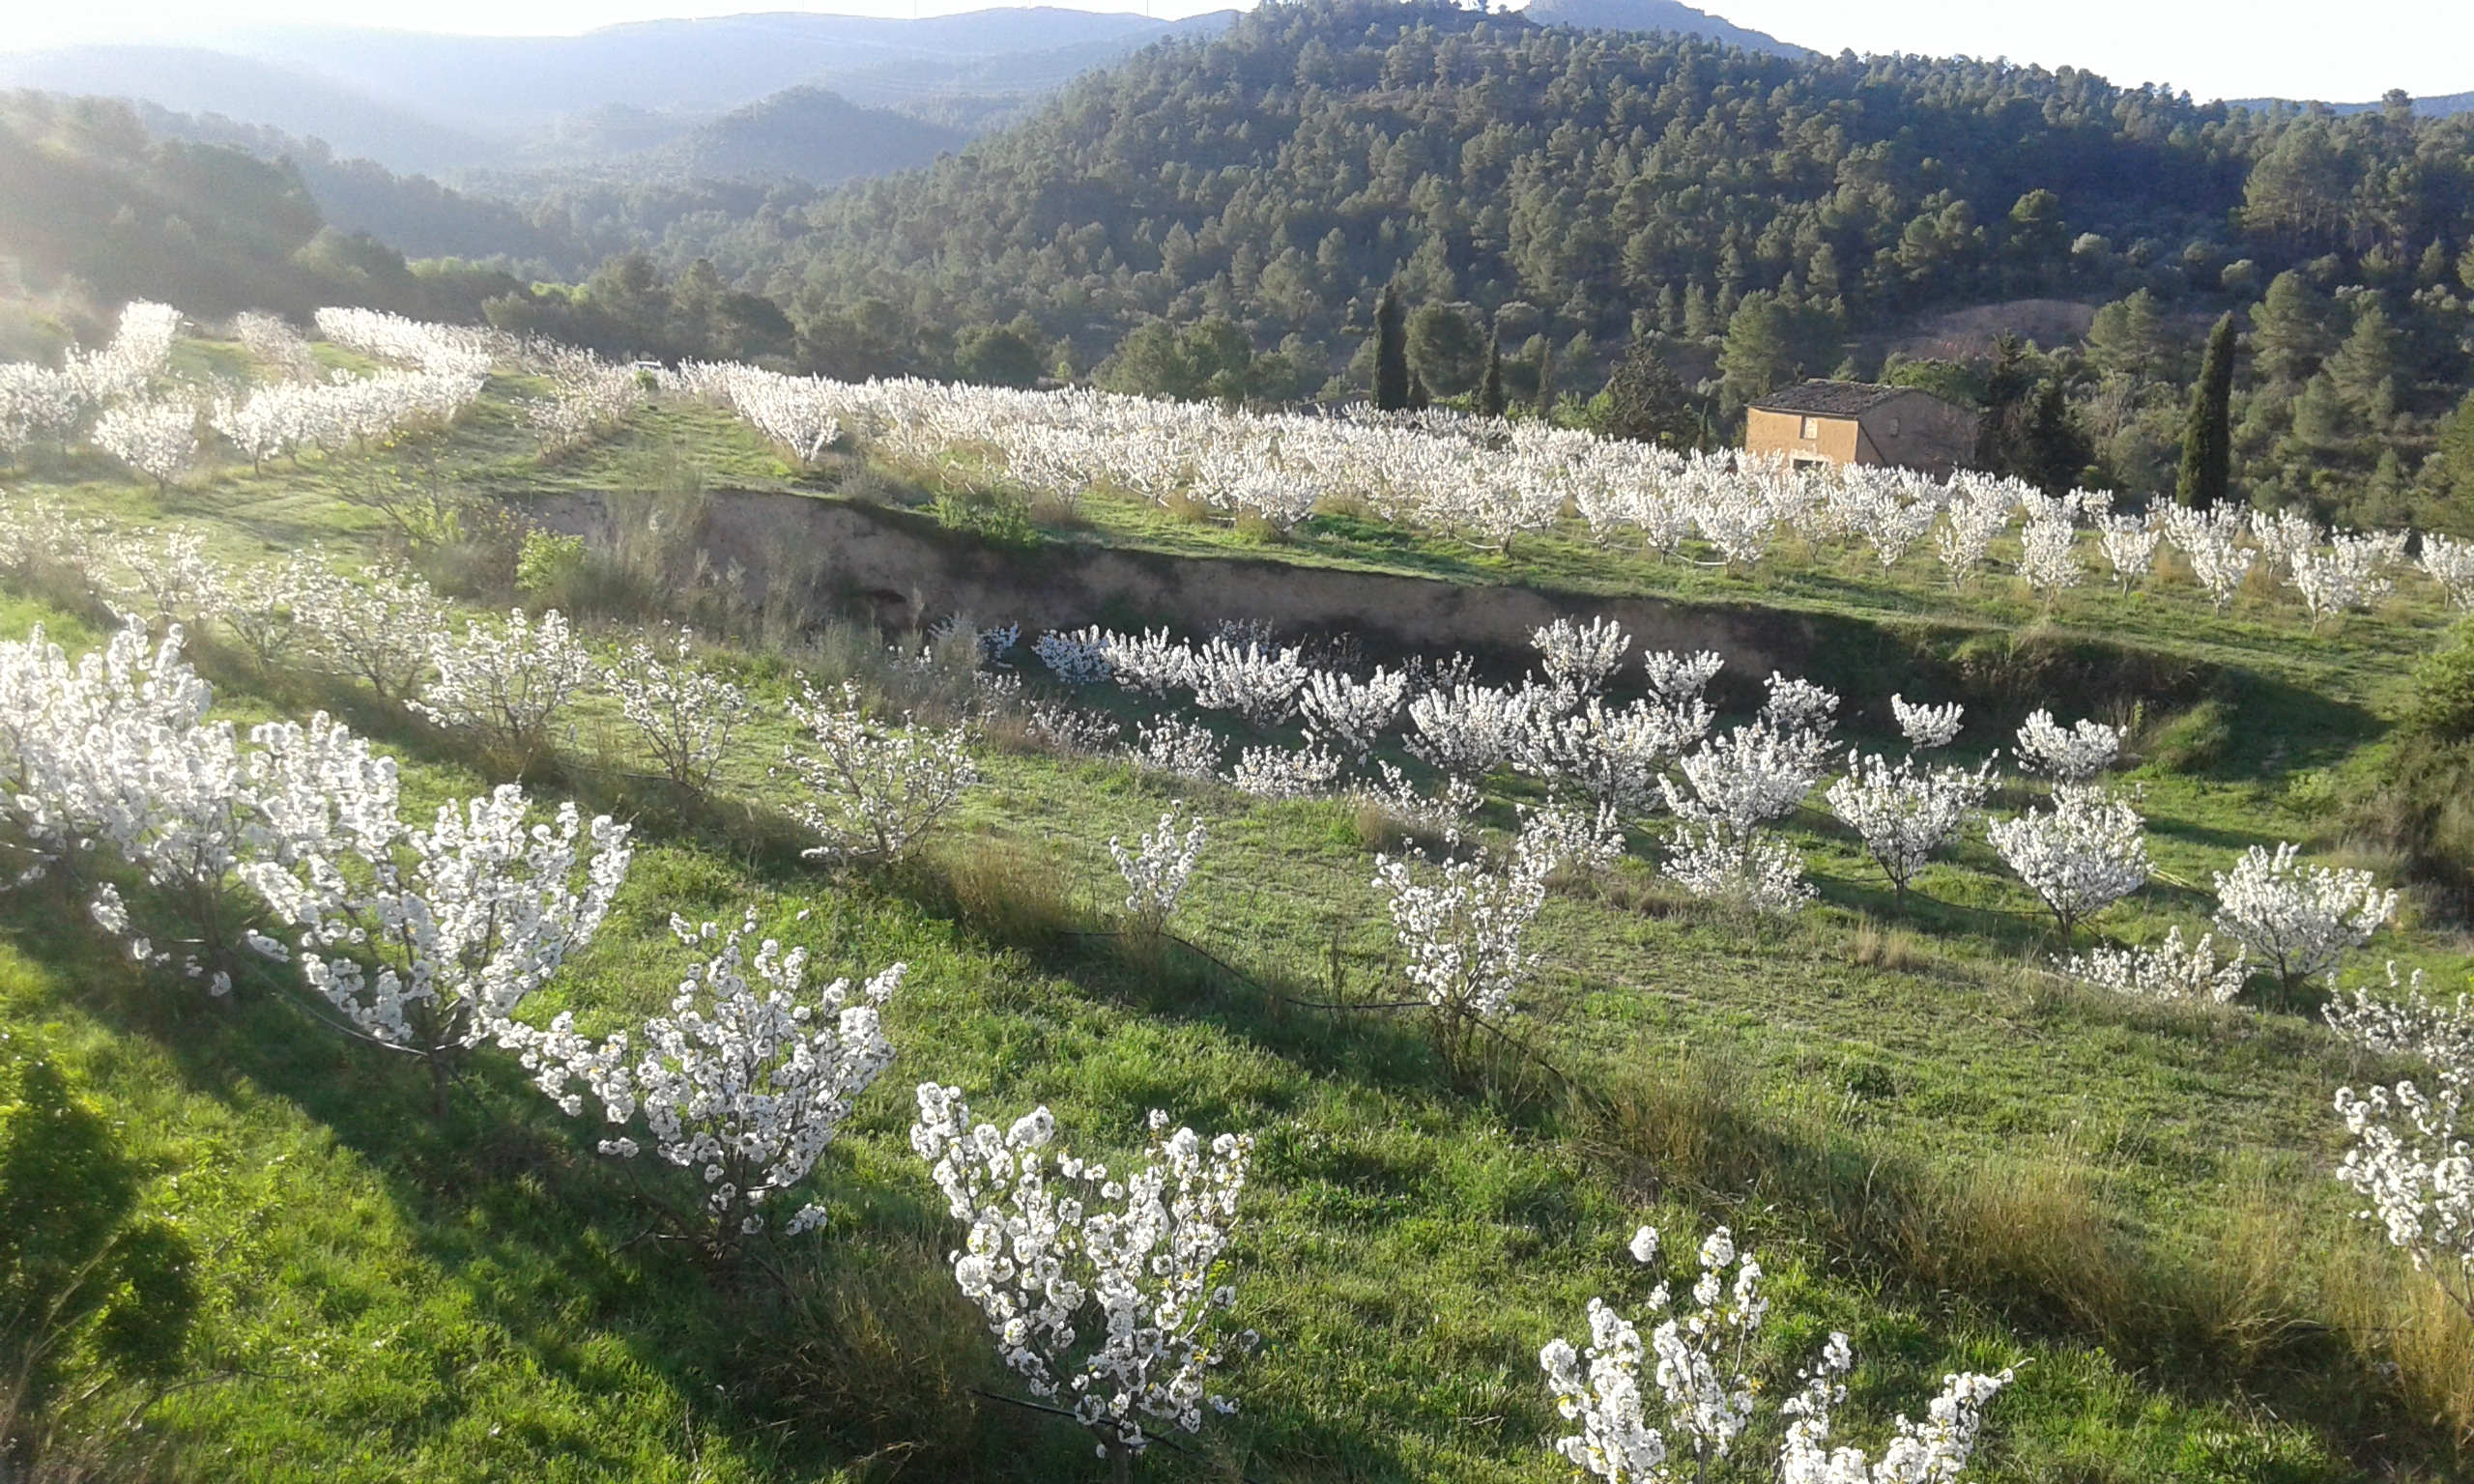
point(1931, 1143)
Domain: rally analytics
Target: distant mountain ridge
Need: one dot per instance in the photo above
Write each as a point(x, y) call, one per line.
point(436, 104)
point(1668, 16)
point(802, 133)
point(2441, 106)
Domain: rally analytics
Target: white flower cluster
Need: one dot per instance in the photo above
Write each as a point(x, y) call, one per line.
point(2351, 572)
point(506, 681)
point(1462, 930)
point(876, 790)
point(441, 349)
point(2207, 538)
point(2071, 756)
point(2450, 564)
point(1706, 1403)
point(1156, 875)
point(276, 346)
point(742, 1082)
point(2302, 920)
point(2170, 971)
point(1075, 659)
point(459, 924)
point(1054, 1237)
point(1907, 813)
point(382, 629)
point(2129, 543)
point(2089, 853)
point(2410, 1162)
point(1735, 784)
point(588, 397)
point(795, 411)
point(1927, 727)
point(155, 436)
point(1702, 1409)
point(685, 712)
point(1934, 1451)
point(342, 412)
point(1581, 659)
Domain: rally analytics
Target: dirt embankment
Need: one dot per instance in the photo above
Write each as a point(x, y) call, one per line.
point(905, 571)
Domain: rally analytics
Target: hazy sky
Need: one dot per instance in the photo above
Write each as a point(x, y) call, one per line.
point(2215, 48)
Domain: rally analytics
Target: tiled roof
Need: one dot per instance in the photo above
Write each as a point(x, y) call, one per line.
point(1831, 399)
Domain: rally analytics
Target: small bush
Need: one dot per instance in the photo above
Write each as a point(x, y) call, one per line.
point(2194, 741)
point(998, 517)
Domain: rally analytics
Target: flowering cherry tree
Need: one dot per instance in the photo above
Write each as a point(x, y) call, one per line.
point(1353, 713)
point(1462, 929)
point(2085, 855)
point(743, 1081)
point(2066, 755)
point(2171, 970)
point(381, 629)
point(1580, 659)
point(1907, 813)
point(1933, 1451)
point(1695, 1358)
point(2410, 1162)
point(1927, 727)
point(1705, 1402)
point(878, 790)
point(447, 935)
point(685, 712)
point(1156, 874)
point(2302, 920)
point(1055, 1238)
point(506, 682)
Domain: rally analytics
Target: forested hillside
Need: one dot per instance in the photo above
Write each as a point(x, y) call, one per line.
point(93, 212)
point(1759, 216)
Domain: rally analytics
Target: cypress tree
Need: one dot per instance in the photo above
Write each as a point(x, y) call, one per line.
point(2207, 437)
point(1546, 382)
point(1490, 390)
point(1391, 352)
point(1419, 400)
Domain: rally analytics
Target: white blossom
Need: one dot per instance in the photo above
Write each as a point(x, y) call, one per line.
point(1927, 727)
point(1075, 659)
point(1353, 713)
point(158, 438)
point(1907, 813)
point(1156, 874)
point(1694, 1357)
point(382, 629)
point(2170, 971)
point(1757, 870)
point(445, 946)
point(2302, 920)
point(1105, 1291)
point(742, 1082)
point(2129, 544)
point(1934, 1451)
point(686, 712)
point(1176, 746)
point(1460, 922)
point(2089, 853)
point(2073, 756)
point(1308, 772)
point(2450, 564)
point(506, 681)
point(876, 790)
point(1581, 659)
point(2049, 555)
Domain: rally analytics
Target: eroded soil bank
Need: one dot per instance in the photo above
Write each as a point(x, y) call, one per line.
point(905, 571)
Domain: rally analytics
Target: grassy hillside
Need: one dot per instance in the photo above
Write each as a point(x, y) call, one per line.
point(1933, 1143)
